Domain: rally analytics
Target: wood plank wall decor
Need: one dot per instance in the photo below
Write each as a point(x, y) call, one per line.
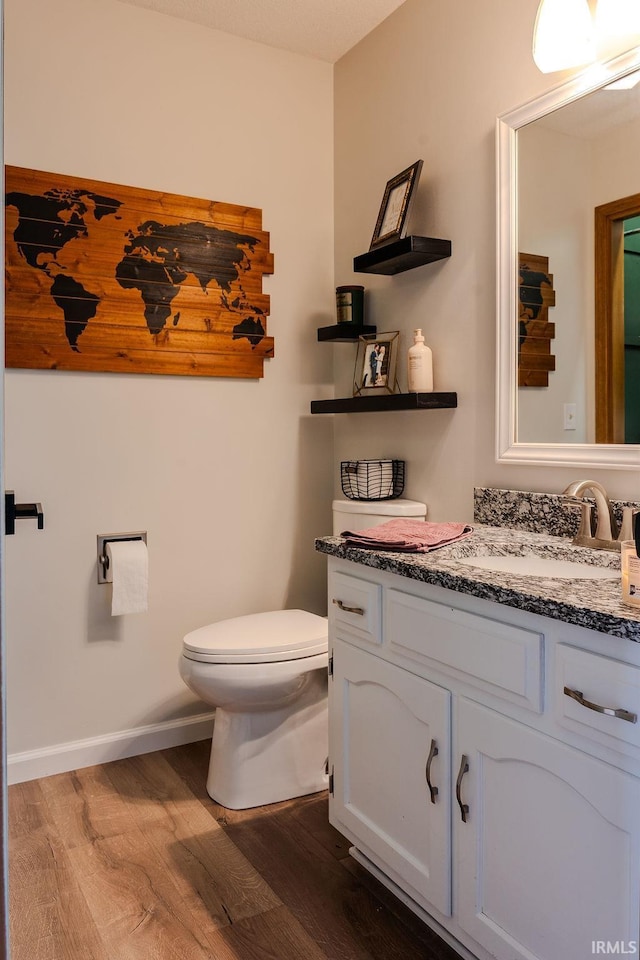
point(111, 278)
point(535, 333)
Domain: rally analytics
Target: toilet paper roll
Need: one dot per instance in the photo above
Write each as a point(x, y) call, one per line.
point(129, 569)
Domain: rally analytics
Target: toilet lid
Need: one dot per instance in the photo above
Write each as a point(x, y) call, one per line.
point(259, 638)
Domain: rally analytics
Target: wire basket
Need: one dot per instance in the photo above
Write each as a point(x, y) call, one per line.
point(372, 479)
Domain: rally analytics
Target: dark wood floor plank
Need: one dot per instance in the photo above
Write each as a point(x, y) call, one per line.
point(49, 918)
point(433, 947)
point(84, 806)
point(333, 908)
point(274, 935)
point(209, 870)
point(138, 912)
point(25, 804)
point(380, 932)
point(133, 861)
point(32, 904)
point(311, 813)
point(191, 762)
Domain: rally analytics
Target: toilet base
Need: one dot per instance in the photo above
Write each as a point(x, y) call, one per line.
point(270, 756)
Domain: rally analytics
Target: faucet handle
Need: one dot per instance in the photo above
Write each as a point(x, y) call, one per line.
point(586, 529)
point(627, 526)
point(587, 522)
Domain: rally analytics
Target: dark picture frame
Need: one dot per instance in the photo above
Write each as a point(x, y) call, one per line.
point(376, 363)
point(396, 203)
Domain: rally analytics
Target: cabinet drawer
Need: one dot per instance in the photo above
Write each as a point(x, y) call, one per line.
point(497, 657)
point(355, 607)
point(604, 684)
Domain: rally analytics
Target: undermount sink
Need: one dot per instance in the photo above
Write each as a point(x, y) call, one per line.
point(529, 565)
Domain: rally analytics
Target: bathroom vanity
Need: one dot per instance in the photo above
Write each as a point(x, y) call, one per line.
point(472, 765)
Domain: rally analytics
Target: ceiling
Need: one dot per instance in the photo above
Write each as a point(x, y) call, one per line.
point(596, 114)
point(323, 29)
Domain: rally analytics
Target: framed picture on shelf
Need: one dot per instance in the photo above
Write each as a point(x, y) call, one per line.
point(376, 360)
point(395, 206)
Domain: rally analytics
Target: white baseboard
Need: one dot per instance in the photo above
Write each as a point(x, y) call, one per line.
point(113, 746)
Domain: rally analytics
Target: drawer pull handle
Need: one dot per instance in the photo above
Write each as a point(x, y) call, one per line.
point(464, 768)
point(609, 711)
point(347, 609)
point(433, 752)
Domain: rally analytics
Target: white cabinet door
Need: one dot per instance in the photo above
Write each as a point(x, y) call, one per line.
point(390, 752)
point(548, 859)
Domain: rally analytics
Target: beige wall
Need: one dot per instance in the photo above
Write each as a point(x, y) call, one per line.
point(429, 83)
point(231, 478)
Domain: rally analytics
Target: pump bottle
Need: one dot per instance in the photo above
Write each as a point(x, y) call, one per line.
point(420, 365)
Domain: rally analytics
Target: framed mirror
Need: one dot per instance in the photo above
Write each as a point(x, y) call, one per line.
point(568, 190)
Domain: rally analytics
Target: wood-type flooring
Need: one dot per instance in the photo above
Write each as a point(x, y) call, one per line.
point(132, 860)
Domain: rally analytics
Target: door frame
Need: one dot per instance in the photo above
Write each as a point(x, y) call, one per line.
point(609, 315)
point(4, 832)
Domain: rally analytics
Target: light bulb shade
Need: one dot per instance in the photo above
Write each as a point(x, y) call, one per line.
point(563, 36)
point(616, 18)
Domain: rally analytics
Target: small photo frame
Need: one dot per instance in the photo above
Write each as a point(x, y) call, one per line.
point(395, 206)
point(376, 360)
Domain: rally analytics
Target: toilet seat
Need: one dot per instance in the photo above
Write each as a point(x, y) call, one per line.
point(259, 638)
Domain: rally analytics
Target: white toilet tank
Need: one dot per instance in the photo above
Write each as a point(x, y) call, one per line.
point(360, 514)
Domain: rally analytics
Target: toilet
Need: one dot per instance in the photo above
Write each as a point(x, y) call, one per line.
point(266, 675)
point(359, 514)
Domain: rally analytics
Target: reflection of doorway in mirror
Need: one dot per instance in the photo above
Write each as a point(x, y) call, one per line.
point(631, 232)
point(617, 320)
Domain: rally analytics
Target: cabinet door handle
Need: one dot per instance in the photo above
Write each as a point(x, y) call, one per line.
point(433, 752)
point(347, 609)
point(464, 768)
point(609, 711)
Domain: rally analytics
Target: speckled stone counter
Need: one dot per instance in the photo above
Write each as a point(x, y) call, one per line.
point(594, 604)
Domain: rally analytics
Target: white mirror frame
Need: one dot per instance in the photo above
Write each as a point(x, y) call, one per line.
point(508, 450)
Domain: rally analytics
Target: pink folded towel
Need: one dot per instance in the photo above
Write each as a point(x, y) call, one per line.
point(409, 536)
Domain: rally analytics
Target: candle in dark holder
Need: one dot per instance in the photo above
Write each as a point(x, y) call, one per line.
point(350, 304)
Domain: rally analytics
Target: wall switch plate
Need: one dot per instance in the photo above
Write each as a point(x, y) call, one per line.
point(569, 416)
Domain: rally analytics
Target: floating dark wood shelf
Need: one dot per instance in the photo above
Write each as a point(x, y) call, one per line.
point(345, 332)
point(401, 255)
point(387, 401)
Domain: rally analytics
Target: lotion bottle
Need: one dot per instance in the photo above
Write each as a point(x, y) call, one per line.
point(420, 365)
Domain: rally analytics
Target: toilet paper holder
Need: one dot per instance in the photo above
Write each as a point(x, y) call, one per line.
point(103, 540)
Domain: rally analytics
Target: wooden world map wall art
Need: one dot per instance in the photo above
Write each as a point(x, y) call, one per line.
point(111, 278)
point(535, 333)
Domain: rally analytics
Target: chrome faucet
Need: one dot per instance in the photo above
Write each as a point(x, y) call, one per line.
point(605, 533)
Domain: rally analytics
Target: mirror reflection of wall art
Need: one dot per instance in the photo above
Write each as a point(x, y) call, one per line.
point(112, 278)
point(376, 362)
point(535, 332)
point(396, 203)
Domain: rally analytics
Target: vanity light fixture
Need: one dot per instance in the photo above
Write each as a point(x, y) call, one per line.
point(563, 35)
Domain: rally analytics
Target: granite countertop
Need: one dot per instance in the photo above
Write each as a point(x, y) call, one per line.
point(594, 604)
